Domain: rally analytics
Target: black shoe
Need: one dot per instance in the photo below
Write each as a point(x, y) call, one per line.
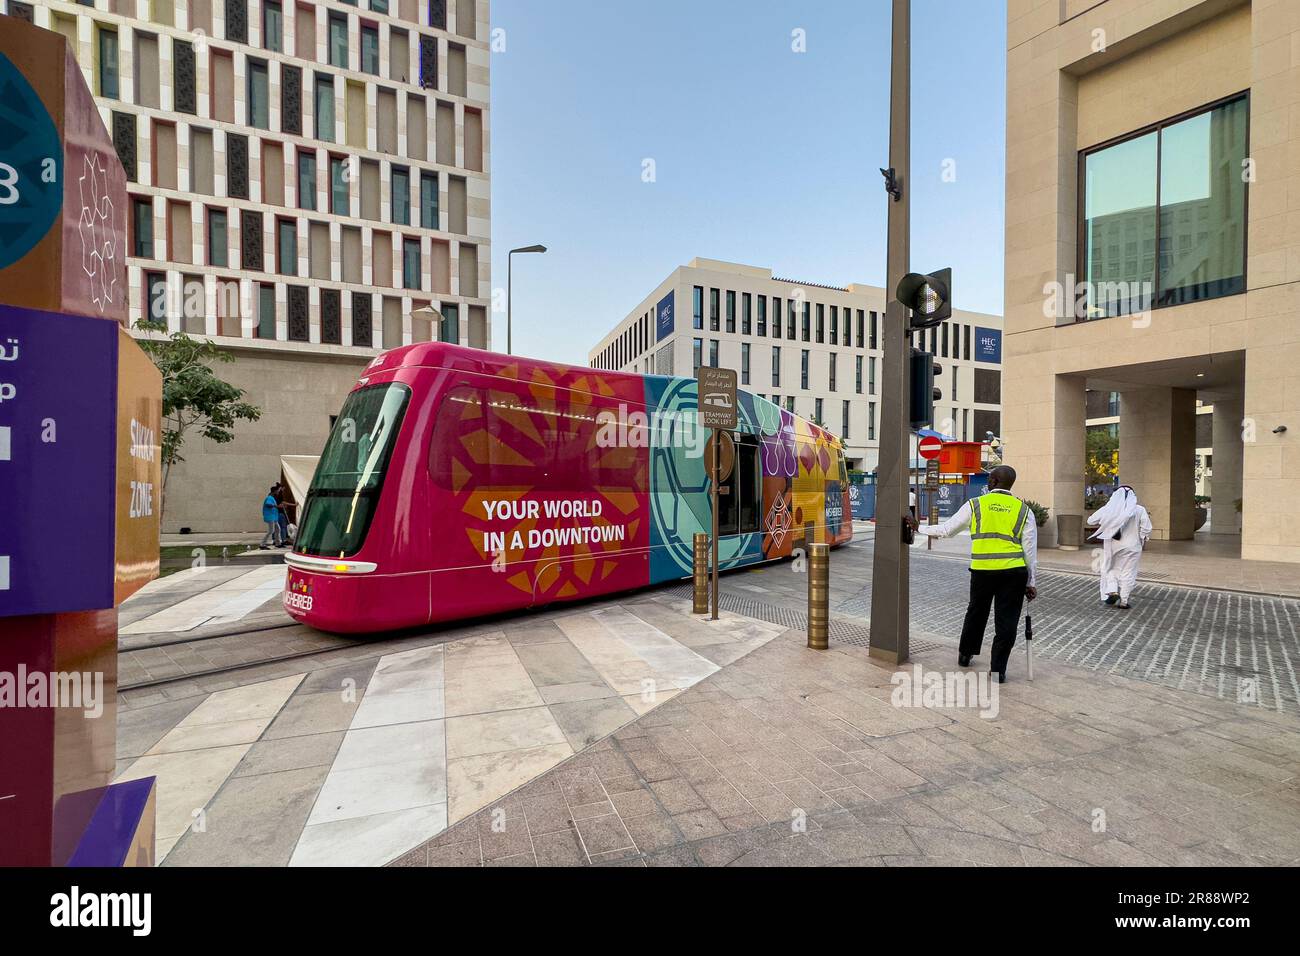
point(1002, 676)
point(963, 660)
point(1112, 598)
point(1124, 606)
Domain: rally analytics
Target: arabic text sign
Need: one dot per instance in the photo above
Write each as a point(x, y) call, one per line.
point(717, 397)
point(58, 399)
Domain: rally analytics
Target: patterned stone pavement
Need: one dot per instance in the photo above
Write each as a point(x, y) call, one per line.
point(796, 757)
point(627, 731)
point(354, 755)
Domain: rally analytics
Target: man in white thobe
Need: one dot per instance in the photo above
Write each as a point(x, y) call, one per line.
point(1123, 527)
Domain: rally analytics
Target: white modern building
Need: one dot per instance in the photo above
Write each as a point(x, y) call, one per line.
point(813, 349)
point(304, 178)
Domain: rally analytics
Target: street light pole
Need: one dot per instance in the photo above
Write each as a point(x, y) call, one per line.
point(510, 297)
point(889, 577)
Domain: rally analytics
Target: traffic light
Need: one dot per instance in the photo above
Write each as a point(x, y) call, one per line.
point(929, 297)
point(924, 394)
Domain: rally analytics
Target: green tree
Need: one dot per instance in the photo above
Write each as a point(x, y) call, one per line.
point(1102, 462)
point(195, 400)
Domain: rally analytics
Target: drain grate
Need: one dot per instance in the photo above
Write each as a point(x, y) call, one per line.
point(842, 631)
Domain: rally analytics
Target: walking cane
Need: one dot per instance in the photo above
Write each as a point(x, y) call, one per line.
point(1029, 645)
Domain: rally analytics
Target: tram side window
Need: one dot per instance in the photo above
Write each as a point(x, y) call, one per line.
point(751, 482)
point(503, 439)
point(740, 495)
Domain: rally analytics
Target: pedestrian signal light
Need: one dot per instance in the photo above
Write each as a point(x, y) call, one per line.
point(928, 297)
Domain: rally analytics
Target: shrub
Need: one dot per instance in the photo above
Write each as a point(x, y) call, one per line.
point(1040, 513)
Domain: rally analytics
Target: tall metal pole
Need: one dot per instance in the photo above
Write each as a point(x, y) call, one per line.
point(889, 578)
point(510, 297)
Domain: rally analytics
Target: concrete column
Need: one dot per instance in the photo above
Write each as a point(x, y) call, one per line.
point(1045, 438)
point(1157, 456)
point(1225, 485)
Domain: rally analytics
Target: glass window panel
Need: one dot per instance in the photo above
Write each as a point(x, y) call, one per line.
point(1119, 202)
point(1203, 205)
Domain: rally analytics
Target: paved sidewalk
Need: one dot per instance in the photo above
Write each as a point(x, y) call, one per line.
point(797, 757)
point(1211, 561)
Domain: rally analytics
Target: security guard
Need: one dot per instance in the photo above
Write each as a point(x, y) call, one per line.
point(1003, 566)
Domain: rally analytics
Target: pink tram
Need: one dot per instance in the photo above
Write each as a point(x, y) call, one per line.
point(457, 482)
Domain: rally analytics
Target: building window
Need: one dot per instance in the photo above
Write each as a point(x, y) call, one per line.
point(338, 40)
point(272, 26)
point(803, 370)
point(1164, 214)
point(821, 323)
point(259, 110)
point(965, 342)
point(714, 299)
point(833, 358)
point(746, 317)
point(286, 247)
point(776, 366)
point(844, 420)
point(762, 314)
point(401, 181)
point(266, 311)
point(306, 179)
point(731, 311)
point(807, 321)
point(370, 50)
point(857, 374)
point(449, 328)
point(873, 329)
point(871, 381)
point(142, 228)
point(835, 325)
point(871, 421)
point(817, 413)
point(411, 263)
point(713, 353)
point(429, 200)
point(379, 6)
point(697, 354)
point(697, 307)
point(790, 318)
point(107, 63)
point(218, 252)
point(325, 107)
point(744, 363)
point(1112, 404)
point(340, 203)
point(156, 297)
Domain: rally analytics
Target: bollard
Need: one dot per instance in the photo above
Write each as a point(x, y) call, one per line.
point(819, 580)
point(701, 574)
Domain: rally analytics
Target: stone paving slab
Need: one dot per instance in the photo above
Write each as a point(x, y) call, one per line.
point(783, 758)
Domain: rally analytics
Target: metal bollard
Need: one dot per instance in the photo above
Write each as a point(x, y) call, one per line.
point(819, 581)
point(700, 604)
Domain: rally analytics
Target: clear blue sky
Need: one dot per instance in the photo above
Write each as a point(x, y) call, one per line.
point(763, 155)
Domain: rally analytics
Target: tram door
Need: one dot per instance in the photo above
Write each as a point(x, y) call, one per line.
point(740, 494)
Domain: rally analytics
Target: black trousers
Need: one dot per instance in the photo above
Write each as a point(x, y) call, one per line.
point(1004, 591)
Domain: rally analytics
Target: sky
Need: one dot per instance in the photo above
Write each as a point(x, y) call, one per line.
point(760, 154)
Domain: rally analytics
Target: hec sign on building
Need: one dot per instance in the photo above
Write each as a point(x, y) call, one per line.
point(664, 316)
point(988, 345)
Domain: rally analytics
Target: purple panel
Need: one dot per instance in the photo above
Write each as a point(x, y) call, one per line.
point(58, 432)
point(112, 830)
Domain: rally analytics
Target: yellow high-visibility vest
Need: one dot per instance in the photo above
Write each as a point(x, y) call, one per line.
point(997, 525)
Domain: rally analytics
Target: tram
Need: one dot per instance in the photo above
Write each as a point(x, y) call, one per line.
point(457, 482)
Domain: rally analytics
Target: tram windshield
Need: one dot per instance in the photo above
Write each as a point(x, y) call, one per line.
point(348, 480)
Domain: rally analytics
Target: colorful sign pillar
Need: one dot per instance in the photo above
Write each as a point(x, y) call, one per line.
point(80, 467)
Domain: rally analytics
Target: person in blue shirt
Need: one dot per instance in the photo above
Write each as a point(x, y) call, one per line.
point(271, 515)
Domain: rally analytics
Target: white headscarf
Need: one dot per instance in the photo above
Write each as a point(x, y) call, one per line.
point(1115, 513)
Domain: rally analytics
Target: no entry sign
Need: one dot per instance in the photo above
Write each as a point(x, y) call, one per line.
point(929, 447)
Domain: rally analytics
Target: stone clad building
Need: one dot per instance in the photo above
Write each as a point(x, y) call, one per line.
point(1153, 250)
point(303, 177)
